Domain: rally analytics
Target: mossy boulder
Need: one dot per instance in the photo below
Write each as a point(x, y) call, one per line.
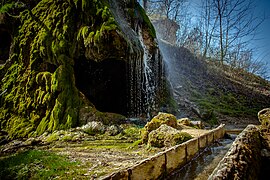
point(166, 136)
point(156, 122)
point(188, 123)
point(264, 117)
point(185, 121)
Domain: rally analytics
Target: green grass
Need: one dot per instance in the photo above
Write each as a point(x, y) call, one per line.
point(224, 103)
point(36, 164)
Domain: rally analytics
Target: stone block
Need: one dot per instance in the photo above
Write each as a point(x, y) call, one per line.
point(151, 168)
point(192, 148)
point(121, 175)
point(176, 158)
point(219, 133)
point(210, 137)
point(202, 141)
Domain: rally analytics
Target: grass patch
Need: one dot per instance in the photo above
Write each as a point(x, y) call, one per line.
point(224, 103)
point(132, 132)
point(36, 164)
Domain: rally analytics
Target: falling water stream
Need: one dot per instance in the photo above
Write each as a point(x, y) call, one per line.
point(202, 166)
point(148, 83)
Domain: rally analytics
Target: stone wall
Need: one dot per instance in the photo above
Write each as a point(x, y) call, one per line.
point(166, 162)
point(243, 159)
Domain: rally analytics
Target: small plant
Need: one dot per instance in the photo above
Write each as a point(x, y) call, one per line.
point(52, 137)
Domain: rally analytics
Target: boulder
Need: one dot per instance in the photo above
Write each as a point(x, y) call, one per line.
point(264, 117)
point(190, 123)
point(184, 121)
point(166, 136)
point(161, 118)
point(114, 130)
point(156, 122)
point(94, 127)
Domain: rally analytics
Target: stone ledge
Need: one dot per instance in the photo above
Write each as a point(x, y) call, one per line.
point(164, 163)
point(242, 161)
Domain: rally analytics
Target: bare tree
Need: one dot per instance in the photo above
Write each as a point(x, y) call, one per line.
point(228, 24)
point(193, 41)
point(169, 9)
point(169, 17)
point(236, 21)
point(208, 25)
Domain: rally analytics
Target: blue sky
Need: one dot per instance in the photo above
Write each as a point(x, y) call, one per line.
point(262, 44)
point(263, 6)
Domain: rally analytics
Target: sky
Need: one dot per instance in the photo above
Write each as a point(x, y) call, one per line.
point(262, 42)
point(264, 31)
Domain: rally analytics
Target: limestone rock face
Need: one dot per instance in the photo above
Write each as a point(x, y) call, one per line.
point(167, 136)
point(264, 117)
point(67, 55)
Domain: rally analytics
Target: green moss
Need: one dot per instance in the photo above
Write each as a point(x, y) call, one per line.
point(7, 7)
point(34, 164)
point(180, 138)
point(52, 137)
point(216, 101)
point(146, 20)
point(38, 97)
point(156, 122)
point(264, 117)
point(132, 132)
point(167, 136)
point(41, 92)
point(136, 144)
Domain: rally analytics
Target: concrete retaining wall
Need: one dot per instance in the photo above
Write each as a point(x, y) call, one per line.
point(166, 162)
point(242, 161)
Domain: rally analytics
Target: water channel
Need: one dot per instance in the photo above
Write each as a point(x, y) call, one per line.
point(202, 166)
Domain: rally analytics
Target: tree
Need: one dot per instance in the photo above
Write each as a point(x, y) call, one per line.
point(234, 23)
point(208, 25)
point(193, 41)
point(169, 18)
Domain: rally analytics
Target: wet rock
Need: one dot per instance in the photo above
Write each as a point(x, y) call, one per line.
point(166, 136)
point(243, 160)
point(94, 127)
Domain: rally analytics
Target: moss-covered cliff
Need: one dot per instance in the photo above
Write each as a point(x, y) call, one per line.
point(42, 84)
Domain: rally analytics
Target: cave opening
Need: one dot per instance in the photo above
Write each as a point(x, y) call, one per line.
point(5, 39)
point(103, 83)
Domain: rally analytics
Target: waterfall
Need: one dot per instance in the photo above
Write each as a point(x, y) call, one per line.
point(145, 79)
point(149, 83)
point(145, 71)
